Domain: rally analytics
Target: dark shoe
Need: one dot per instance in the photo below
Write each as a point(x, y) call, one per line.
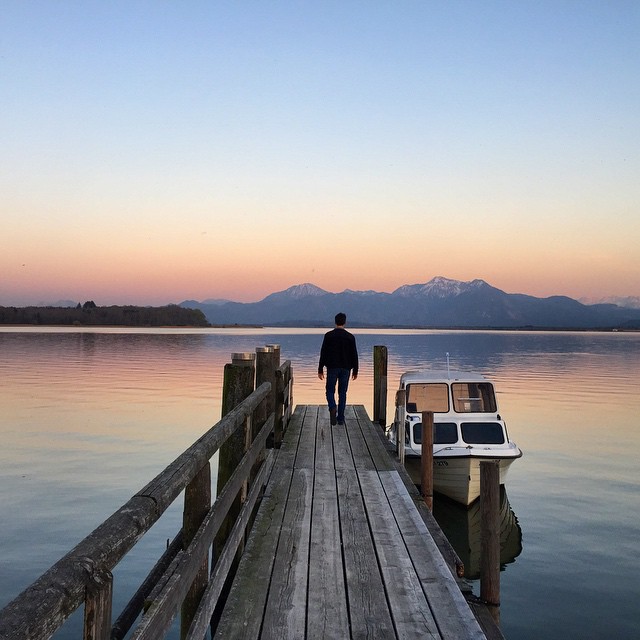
point(341, 421)
point(332, 416)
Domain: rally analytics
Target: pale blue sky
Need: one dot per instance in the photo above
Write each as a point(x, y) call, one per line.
point(373, 143)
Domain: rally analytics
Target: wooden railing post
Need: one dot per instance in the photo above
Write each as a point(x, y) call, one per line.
point(197, 502)
point(266, 365)
point(238, 384)
point(276, 354)
point(401, 414)
point(97, 607)
point(426, 471)
point(380, 385)
point(490, 534)
point(283, 399)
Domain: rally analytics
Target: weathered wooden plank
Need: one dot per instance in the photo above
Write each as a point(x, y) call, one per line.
point(368, 608)
point(285, 613)
point(307, 444)
point(324, 441)
point(450, 609)
point(357, 443)
point(452, 559)
point(343, 459)
point(409, 607)
point(378, 453)
point(327, 615)
point(244, 609)
point(291, 438)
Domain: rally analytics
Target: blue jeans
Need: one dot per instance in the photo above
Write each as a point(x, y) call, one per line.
point(341, 376)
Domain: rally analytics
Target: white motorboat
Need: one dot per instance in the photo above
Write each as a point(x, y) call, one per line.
point(467, 429)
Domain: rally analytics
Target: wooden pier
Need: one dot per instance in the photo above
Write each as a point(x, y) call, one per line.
point(315, 532)
point(338, 549)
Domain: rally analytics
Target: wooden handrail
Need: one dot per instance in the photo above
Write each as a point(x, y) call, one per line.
point(84, 574)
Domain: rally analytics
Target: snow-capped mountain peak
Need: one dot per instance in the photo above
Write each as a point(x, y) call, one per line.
point(298, 291)
point(305, 290)
point(440, 287)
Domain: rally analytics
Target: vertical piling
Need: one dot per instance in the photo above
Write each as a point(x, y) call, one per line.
point(490, 534)
point(266, 372)
point(278, 400)
point(276, 354)
point(400, 427)
point(380, 385)
point(426, 470)
point(237, 385)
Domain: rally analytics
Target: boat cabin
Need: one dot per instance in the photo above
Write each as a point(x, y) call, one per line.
point(464, 407)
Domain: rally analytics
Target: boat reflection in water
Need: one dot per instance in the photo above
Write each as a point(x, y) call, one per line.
point(461, 526)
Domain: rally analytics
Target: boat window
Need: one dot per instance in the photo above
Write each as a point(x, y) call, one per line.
point(423, 396)
point(482, 433)
point(473, 397)
point(443, 433)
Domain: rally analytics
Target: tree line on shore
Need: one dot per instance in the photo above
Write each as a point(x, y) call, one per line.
point(89, 314)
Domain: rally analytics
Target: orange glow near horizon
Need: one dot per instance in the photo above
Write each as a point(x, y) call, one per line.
point(422, 145)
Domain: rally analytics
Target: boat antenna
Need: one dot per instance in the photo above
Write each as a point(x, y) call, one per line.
point(448, 372)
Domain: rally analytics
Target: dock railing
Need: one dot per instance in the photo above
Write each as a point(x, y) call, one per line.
point(181, 578)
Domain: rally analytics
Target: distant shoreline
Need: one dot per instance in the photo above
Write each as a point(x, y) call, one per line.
point(323, 327)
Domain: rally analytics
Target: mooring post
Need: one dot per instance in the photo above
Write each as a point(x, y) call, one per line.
point(276, 354)
point(278, 399)
point(380, 385)
point(401, 413)
point(237, 385)
point(490, 535)
point(426, 471)
point(265, 372)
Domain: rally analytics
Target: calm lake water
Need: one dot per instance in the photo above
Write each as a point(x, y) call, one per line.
point(89, 417)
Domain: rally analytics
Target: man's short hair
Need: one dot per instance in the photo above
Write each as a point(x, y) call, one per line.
point(341, 318)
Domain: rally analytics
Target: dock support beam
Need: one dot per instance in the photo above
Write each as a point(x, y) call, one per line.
point(380, 385)
point(426, 470)
point(490, 535)
point(400, 403)
point(238, 385)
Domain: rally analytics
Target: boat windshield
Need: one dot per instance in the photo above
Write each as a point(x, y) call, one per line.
point(482, 432)
point(428, 396)
point(473, 397)
point(443, 433)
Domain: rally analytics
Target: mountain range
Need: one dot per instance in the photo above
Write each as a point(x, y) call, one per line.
point(439, 303)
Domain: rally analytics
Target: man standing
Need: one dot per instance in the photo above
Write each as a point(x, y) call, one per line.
point(340, 355)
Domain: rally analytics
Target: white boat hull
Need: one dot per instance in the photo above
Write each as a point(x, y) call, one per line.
point(457, 478)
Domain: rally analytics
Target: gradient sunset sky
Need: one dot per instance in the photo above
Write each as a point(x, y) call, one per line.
point(159, 151)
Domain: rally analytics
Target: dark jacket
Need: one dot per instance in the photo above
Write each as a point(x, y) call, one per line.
point(338, 351)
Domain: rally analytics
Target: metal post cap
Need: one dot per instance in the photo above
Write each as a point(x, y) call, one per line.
point(243, 358)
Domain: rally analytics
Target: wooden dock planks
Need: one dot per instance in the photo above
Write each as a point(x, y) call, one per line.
point(338, 549)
